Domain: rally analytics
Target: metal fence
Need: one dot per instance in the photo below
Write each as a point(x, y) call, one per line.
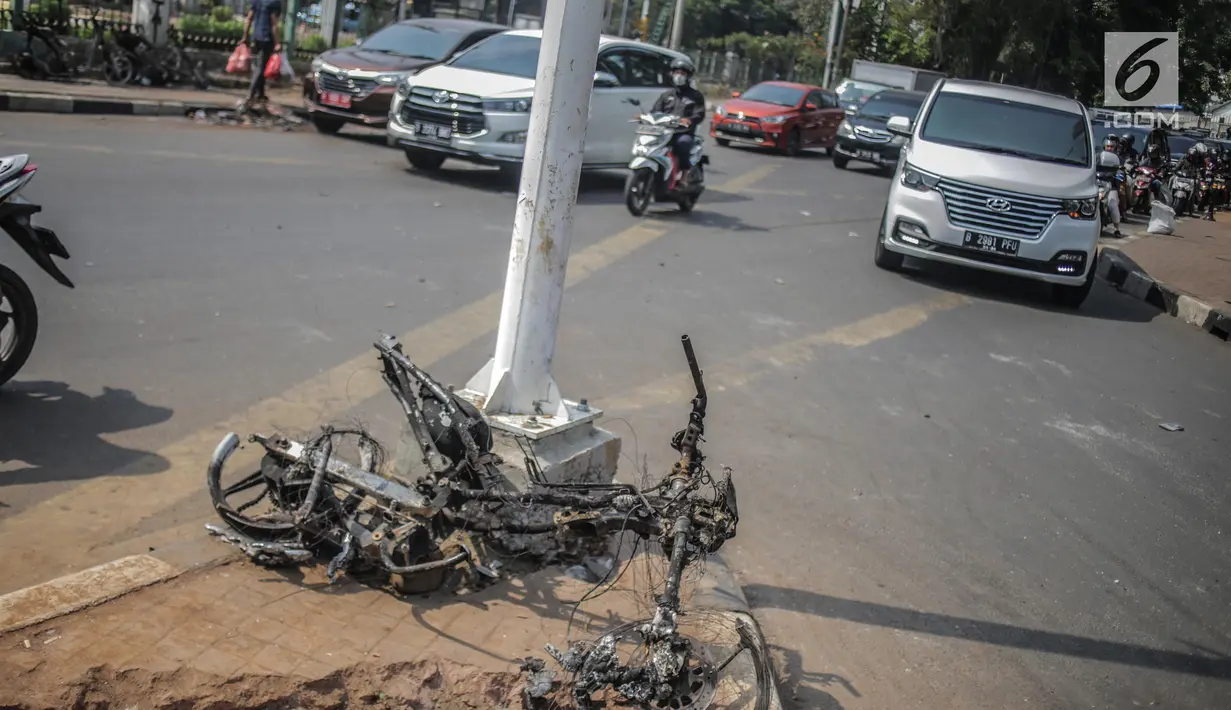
point(69, 18)
point(732, 71)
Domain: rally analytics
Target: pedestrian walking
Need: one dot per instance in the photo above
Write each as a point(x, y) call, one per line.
point(261, 25)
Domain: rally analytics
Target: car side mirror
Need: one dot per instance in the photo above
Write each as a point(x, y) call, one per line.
point(605, 80)
point(735, 94)
point(900, 125)
point(810, 107)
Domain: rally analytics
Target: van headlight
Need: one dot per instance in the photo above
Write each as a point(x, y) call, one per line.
point(390, 78)
point(845, 129)
point(1085, 208)
point(916, 179)
point(317, 63)
point(507, 105)
point(774, 119)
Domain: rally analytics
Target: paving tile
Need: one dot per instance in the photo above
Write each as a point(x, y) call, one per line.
point(393, 607)
point(292, 608)
point(240, 645)
point(313, 670)
point(203, 632)
point(264, 628)
point(224, 614)
point(217, 662)
point(391, 650)
point(301, 641)
point(245, 598)
point(151, 661)
point(179, 649)
point(340, 655)
point(277, 660)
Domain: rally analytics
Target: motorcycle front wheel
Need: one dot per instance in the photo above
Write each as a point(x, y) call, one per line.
point(639, 191)
point(119, 70)
point(18, 323)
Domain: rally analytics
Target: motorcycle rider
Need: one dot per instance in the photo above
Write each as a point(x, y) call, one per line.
point(687, 103)
point(1127, 151)
point(1192, 165)
point(1109, 170)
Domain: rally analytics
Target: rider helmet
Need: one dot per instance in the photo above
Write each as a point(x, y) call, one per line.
point(681, 71)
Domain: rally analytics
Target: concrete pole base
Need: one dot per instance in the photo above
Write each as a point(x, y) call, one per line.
point(578, 452)
point(581, 454)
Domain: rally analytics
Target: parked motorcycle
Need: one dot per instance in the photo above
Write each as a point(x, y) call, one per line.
point(653, 168)
point(53, 60)
point(18, 312)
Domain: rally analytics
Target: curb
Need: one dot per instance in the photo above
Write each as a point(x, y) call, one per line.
point(58, 103)
point(55, 103)
point(100, 584)
point(1117, 269)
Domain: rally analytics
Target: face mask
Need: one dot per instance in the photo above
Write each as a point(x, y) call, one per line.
point(679, 79)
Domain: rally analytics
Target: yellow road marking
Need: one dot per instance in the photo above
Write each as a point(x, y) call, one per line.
point(744, 368)
point(88, 517)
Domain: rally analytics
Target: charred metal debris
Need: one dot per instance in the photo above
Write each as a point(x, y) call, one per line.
point(260, 115)
point(460, 517)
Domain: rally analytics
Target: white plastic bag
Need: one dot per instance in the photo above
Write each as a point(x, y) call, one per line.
point(1162, 219)
point(286, 70)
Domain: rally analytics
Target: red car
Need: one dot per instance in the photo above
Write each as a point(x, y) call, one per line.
point(781, 115)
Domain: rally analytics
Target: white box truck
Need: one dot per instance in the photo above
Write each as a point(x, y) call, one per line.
point(894, 75)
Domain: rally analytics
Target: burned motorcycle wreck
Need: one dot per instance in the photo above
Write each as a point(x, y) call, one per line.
point(457, 520)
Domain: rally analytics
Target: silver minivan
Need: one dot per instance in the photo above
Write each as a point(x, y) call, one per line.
point(996, 178)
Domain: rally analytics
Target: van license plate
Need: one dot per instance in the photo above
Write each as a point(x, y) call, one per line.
point(433, 132)
point(867, 155)
point(986, 242)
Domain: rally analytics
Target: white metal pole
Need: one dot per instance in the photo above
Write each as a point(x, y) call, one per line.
point(831, 42)
point(846, 16)
point(518, 379)
point(624, 18)
point(677, 26)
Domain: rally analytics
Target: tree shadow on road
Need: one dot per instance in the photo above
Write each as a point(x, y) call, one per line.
point(800, 689)
point(1211, 665)
point(596, 187)
point(55, 432)
point(704, 218)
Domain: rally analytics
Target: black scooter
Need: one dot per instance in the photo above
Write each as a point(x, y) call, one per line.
point(18, 312)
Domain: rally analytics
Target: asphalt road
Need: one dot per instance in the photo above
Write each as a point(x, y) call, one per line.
point(952, 495)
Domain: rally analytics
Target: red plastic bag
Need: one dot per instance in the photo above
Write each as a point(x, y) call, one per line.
point(239, 60)
point(274, 67)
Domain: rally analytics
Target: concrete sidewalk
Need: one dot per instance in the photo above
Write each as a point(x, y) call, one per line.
point(1187, 273)
point(96, 97)
point(246, 636)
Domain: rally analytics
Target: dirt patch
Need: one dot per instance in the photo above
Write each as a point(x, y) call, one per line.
point(425, 685)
